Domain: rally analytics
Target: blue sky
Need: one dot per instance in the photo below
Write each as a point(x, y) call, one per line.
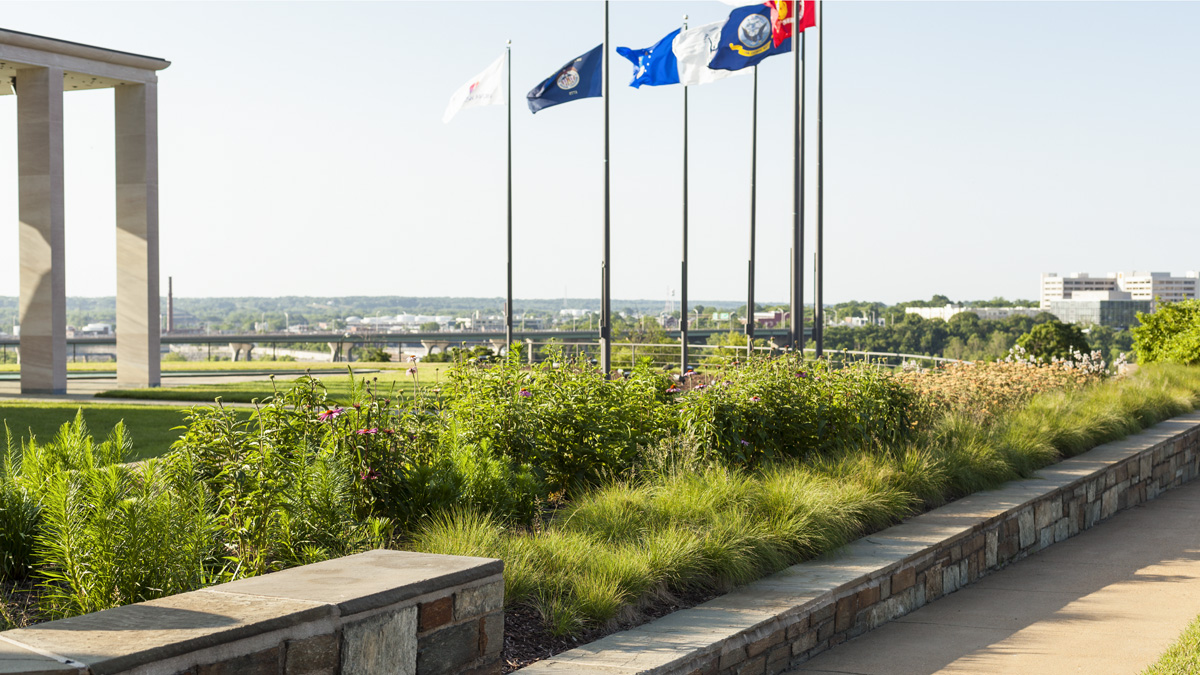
point(970, 146)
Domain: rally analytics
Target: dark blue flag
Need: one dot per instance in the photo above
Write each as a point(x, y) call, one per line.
point(655, 65)
point(579, 78)
point(746, 39)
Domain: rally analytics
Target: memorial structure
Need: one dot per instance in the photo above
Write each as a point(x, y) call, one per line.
point(38, 70)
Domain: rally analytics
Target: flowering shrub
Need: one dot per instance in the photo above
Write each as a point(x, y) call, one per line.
point(566, 422)
point(982, 389)
point(786, 407)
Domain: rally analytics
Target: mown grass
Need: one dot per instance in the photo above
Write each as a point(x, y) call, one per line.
point(1182, 657)
point(339, 387)
point(680, 525)
point(152, 427)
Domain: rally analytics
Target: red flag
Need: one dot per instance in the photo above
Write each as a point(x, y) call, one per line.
point(781, 18)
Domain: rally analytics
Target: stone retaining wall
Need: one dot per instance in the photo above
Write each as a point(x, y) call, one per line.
point(779, 622)
point(366, 614)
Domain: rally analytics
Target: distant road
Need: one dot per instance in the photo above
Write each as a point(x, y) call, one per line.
point(342, 336)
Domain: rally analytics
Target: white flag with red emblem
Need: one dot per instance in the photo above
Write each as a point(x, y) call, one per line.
point(486, 88)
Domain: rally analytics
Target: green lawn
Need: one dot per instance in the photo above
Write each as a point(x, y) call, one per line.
point(149, 426)
point(1181, 658)
point(428, 374)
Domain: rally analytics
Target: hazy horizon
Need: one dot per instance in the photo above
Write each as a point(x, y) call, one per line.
point(969, 147)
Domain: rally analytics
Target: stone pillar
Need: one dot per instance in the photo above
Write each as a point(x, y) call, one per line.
point(138, 334)
point(43, 304)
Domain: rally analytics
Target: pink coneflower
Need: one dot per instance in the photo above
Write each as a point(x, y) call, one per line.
point(673, 390)
point(745, 443)
point(801, 375)
point(369, 474)
point(754, 399)
point(412, 370)
point(330, 414)
point(525, 393)
point(372, 431)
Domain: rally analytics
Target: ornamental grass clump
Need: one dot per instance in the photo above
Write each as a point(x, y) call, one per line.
point(982, 389)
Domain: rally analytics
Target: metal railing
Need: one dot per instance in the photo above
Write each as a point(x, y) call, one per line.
point(667, 355)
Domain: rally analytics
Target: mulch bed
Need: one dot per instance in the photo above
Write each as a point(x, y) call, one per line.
point(18, 605)
point(526, 639)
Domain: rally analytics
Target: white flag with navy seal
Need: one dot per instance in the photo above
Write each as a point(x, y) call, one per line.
point(486, 88)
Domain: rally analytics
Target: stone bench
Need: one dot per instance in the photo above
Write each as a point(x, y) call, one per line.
point(372, 613)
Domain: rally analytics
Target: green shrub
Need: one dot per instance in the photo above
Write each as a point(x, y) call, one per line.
point(19, 517)
point(1171, 334)
point(1054, 340)
point(566, 421)
point(787, 408)
point(373, 354)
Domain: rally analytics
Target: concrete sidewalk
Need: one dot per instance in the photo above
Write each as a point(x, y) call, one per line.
point(1109, 600)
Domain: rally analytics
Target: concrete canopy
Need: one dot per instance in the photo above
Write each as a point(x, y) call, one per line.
point(38, 70)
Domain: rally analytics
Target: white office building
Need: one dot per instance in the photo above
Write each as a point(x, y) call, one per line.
point(949, 311)
point(1139, 286)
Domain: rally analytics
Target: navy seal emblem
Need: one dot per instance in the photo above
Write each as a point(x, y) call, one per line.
point(754, 31)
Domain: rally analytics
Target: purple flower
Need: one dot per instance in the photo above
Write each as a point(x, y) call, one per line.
point(754, 399)
point(801, 375)
point(330, 414)
point(372, 431)
point(673, 389)
point(745, 443)
point(412, 371)
point(525, 393)
point(369, 474)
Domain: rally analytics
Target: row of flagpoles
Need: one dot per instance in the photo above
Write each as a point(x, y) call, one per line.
point(689, 57)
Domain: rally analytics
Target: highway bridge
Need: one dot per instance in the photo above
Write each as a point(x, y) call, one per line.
point(455, 338)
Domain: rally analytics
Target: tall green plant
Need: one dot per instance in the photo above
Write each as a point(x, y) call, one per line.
point(566, 420)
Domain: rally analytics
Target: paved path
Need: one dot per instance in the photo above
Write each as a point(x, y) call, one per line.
point(1109, 600)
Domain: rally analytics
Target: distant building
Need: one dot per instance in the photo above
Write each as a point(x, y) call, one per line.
point(401, 323)
point(769, 319)
point(1117, 309)
point(1140, 286)
point(91, 330)
point(949, 311)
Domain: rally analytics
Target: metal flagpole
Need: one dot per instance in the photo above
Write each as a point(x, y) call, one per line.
point(753, 205)
point(818, 328)
point(605, 276)
point(797, 322)
point(683, 295)
point(508, 306)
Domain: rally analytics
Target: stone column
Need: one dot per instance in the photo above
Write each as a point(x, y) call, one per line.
point(138, 334)
point(43, 305)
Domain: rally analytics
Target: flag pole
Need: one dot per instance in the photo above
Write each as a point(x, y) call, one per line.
point(819, 327)
point(605, 276)
point(508, 306)
point(797, 323)
point(683, 295)
point(753, 205)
